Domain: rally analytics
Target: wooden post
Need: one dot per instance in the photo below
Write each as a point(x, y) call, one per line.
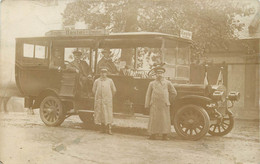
point(163, 49)
point(177, 55)
point(96, 56)
point(135, 62)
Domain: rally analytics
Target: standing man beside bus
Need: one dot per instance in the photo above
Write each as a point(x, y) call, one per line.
point(104, 90)
point(158, 100)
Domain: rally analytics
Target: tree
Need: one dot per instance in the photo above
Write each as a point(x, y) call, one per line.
point(213, 23)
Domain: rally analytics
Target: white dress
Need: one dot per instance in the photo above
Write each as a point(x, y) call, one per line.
point(103, 89)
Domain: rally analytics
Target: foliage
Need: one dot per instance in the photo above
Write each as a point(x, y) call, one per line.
point(213, 23)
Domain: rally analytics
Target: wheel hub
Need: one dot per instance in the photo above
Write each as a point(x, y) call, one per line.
point(51, 109)
point(190, 121)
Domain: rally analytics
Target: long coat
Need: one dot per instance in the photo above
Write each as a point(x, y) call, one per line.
point(158, 100)
point(103, 89)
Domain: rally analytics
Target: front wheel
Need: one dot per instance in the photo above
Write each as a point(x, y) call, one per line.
point(191, 122)
point(223, 127)
point(51, 111)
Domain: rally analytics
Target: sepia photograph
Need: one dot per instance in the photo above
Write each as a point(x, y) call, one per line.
point(129, 81)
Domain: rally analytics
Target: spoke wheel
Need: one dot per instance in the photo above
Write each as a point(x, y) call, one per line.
point(223, 127)
point(86, 118)
point(191, 122)
point(51, 111)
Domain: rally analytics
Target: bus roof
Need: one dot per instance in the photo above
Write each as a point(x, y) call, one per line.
point(61, 34)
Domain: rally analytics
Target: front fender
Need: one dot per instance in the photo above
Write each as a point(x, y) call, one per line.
point(43, 94)
point(192, 99)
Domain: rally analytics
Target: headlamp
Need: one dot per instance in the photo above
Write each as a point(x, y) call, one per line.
point(233, 96)
point(218, 96)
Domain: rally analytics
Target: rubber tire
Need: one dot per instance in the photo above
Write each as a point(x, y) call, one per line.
point(231, 118)
point(61, 115)
point(206, 122)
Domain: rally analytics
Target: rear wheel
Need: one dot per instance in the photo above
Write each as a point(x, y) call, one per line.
point(51, 111)
point(223, 127)
point(191, 122)
point(86, 118)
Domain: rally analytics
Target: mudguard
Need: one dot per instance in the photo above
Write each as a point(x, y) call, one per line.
point(192, 99)
point(44, 93)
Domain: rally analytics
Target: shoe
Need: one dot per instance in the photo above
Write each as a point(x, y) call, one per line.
point(165, 137)
point(152, 137)
point(109, 129)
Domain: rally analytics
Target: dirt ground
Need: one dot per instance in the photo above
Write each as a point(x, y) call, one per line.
point(25, 139)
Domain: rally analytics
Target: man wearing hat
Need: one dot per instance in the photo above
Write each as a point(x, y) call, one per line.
point(158, 100)
point(107, 62)
point(81, 67)
point(104, 90)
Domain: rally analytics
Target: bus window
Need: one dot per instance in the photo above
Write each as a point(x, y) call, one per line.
point(148, 57)
point(35, 54)
point(57, 58)
point(170, 62)
point(40, 52)
point(28, 50)
point(68, 54)
point(114, 59)
point(183, 55)
point(183, 68)
point(170, 56)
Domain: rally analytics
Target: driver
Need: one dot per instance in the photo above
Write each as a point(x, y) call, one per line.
point(81, 67)
point(107, 62)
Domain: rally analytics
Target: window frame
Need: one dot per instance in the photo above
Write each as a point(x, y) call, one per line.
point(35, 61)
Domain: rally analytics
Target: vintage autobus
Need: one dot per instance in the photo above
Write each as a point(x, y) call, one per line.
point(46, 83)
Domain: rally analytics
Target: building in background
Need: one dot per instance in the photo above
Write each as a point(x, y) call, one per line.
point(241, 60)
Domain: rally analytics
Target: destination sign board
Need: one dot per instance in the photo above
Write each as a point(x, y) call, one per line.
point(186, 34)
point(76, 32)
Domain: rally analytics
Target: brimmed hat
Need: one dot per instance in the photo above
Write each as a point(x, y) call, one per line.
point(77, 53)
point(103, 69)
point(159, 70)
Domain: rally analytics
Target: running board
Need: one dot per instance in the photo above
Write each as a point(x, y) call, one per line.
point(117, 114)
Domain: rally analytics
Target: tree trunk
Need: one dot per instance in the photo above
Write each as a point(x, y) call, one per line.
point(130, 26)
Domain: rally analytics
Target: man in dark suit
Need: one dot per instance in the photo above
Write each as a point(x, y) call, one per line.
point(81, 67)
point(107, 62)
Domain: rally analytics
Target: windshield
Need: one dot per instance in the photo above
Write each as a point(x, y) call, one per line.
point(176, 61)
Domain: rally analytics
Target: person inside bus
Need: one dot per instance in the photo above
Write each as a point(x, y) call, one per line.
point(107, 62)
point(57, 60)
point(81, 67)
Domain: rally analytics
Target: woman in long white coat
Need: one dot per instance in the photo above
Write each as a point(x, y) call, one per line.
point(104, 90)
point(158, 100)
